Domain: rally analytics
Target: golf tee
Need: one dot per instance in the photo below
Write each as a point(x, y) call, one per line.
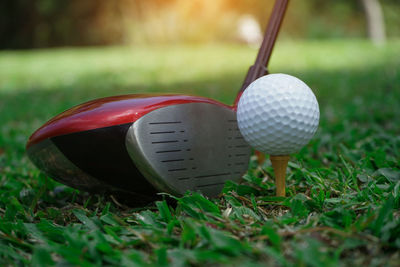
point(279, 164)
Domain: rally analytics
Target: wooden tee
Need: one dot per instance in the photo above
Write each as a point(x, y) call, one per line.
point(279, 164)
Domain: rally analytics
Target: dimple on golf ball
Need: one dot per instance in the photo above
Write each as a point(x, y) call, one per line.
point(278, 114)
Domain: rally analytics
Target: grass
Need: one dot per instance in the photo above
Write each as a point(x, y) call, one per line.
point(343, 188)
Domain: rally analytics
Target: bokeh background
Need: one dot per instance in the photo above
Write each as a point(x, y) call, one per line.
point(50, 23)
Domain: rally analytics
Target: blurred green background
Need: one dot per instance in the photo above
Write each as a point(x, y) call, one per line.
point(50, 23)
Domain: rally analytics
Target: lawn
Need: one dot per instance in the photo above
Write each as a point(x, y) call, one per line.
point(343, 189)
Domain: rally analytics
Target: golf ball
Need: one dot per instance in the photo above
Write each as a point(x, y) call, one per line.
point(278, 114)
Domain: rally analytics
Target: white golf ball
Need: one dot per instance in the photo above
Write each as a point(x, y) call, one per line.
point(278, 114)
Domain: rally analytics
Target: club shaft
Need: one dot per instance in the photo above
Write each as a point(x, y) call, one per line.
point(264, 54)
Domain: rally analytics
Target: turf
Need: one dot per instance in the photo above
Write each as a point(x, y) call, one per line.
point(343, 188)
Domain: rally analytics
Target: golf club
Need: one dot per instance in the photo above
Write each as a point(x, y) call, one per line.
point(138, 145)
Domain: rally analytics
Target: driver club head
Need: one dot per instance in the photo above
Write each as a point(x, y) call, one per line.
point(138, 145)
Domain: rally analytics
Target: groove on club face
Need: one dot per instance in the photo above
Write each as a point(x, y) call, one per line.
point(198, 146)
